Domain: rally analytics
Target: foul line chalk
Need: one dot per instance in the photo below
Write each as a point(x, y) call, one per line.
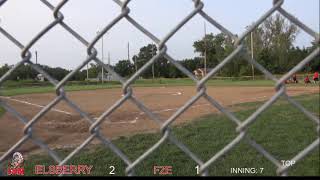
point(121, 122)
point(36, 105)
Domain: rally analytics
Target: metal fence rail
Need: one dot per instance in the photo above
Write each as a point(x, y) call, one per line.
point(164, 125)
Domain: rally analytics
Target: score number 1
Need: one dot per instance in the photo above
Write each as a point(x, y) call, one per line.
point(198, 169)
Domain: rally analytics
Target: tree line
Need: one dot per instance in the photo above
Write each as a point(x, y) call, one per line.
point(272, 44)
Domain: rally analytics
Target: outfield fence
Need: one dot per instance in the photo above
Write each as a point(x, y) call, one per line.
point(128, 93)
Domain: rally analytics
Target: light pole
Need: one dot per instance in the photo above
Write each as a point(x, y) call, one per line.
point(134, 58)
point(205, 49)
point(252, 52)
point(102, 58)
point(109, 78)
point(252, 55)
point(87, 72)
point(128, 51)
point(152, 72)
point(152, 65)
point(36, 57)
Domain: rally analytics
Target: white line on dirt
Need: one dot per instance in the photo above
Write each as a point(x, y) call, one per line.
point(137, 118)
point(170, 93)
point(122, 122)
point(198, 105)
point(173, 109)
point(61, 111)
point(36, 105)
point(177, 94)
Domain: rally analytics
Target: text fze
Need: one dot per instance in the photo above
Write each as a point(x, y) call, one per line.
point(162, 170)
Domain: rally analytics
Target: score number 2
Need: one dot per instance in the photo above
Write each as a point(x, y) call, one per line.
point(112, 170)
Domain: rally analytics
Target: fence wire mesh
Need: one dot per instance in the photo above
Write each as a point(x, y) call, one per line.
point(128, 94)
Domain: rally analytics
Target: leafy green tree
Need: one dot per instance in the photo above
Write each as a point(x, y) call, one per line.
point(278, 35)
point(4, 69)
point(217, 48)
point(146, 54)
point(315, 64)
point(214, 46)
point(125, 68)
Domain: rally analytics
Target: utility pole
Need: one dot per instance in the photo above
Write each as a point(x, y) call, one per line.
point(152, 65)
point(205, 49)
point(109, 78)
point(152, 72)
point(128, 51)
point(135, 63)
point(134, 59)
point(36, 57)
point(252, 55)
point(102, 58)
point(102, 69)
point(87, 72)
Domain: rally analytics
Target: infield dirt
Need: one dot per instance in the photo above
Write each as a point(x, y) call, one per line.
point(63, 127)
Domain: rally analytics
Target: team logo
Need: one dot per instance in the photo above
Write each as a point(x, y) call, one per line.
point(15, 167)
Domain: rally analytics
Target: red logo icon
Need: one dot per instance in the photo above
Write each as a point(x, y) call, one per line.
point(15, 167)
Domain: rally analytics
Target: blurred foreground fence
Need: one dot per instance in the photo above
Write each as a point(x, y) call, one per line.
point(164, 124)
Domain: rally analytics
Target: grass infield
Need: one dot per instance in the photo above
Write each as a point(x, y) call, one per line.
point(12, 88)
point(282, 130)
point(1, 111)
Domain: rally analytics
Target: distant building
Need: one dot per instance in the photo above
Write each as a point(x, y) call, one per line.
point(107, 77)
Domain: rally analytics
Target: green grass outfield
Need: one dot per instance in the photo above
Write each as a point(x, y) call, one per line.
point(282, 130)
point(1, 111)
point(12, 88)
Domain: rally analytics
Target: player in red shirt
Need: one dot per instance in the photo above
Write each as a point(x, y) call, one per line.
point(316, 77)
point(307, 80)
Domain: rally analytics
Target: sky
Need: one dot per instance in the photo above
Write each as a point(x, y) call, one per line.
point(25, 18)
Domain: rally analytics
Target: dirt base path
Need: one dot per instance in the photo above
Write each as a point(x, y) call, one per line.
point(63, 127)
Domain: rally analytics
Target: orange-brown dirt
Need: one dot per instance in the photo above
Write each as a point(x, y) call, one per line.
point(68, 129)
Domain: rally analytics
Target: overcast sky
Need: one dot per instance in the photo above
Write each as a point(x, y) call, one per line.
point(25, 18)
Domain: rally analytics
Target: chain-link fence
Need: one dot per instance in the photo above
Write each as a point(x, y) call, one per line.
point(128, 94)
